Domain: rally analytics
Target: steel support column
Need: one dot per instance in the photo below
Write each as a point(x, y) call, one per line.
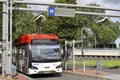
point(73, 56)
point(7, 43)
point(4, 37)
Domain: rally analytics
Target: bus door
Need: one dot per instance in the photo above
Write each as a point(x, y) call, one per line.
point(26, 59)
point(17, 58)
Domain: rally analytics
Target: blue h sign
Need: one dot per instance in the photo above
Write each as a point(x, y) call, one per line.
point(51, 11)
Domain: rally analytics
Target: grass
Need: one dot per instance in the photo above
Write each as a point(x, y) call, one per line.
point(105, 63)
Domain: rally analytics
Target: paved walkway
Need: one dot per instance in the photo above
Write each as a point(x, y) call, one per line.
point(112, 76)
point(19, 76)
point(106, 75)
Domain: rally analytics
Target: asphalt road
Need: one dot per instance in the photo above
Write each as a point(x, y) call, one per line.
point(65, 76)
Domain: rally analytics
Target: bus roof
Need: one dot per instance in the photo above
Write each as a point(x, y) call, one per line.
point(26, 38)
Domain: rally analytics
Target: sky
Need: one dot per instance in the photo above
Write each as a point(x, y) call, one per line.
point(43, 8)
point(102, 3)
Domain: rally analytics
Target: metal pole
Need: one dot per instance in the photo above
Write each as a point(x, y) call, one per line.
point(73, 57)
point(65, 55)
point(82, 41)
point(10, 42)
point(38, 27)
point(97, 70)
point(83, 64)
point(76, 12)
point(82, 50)
point(93, 13)
point(28, 9)
point(95, 40)
point(5, 38)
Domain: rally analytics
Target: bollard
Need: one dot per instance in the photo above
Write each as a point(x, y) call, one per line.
point(99, 66)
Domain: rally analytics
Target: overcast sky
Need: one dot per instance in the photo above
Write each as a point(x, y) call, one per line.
point(43, 8)
point(104, 3)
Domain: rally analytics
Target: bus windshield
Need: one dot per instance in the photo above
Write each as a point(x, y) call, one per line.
point(45, 53)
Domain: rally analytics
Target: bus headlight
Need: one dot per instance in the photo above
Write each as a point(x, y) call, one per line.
point(34, 67)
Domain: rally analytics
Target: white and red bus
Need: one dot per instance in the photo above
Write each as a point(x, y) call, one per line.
point(37, 54)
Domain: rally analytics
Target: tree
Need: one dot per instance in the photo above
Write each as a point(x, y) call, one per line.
point(106, 32)
point(22, 23)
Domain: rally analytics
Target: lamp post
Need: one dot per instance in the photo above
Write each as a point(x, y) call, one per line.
point(82, 40)
point(102, 20)
point(89, 31)
point(82, 46)
point(95, 40)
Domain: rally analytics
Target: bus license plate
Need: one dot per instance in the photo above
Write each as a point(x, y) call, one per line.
point(47, 72)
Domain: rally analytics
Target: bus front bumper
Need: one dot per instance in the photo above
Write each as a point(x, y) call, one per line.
point(35, 71)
